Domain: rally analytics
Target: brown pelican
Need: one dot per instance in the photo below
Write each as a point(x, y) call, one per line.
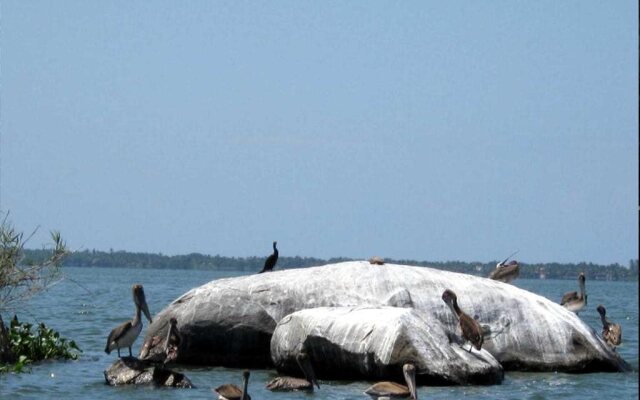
point(506, 272)
point(271, 260)
point(172, 344)
point(573, 301)
point(287, 383)
point(229, 391)
point(611, 332)
point(376, 260)
point(126, 333)
point(388, 389)
point(471, 329)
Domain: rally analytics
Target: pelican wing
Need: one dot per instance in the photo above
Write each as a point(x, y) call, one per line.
point(387, 389)
point(505, 273)
point(569, 297)
point(287, 383)
point(612, 334)
point(118, 333)
point(230, 391)
point(471, 330)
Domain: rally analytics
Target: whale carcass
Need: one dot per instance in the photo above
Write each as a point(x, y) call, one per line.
point(375, 342)
point(231, 321)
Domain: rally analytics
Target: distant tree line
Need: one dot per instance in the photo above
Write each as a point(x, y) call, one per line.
point(123, 259)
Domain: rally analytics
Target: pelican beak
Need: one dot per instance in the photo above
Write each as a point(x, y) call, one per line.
point(305, 364)
point(141, 302)
point(311, 373)
point(145, 310)
point(411, 383)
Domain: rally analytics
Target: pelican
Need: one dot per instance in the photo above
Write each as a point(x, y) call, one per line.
point(611, 332)
point(471, 329)
point(573, 301)
point(229, 391)
point(271, 260)
point(395, 390)
point(506, 272)
point(287, 383)
point(126, 333)
point(376, 260)
point(172, 344)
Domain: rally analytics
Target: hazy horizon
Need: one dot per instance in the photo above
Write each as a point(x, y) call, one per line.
point(355, 258)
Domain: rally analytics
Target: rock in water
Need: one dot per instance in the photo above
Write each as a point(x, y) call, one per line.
point(131, 371)
point(374, 343)
point(230, 321)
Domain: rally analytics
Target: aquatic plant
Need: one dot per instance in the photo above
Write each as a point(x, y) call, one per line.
point(42, 344)
point(20, 279)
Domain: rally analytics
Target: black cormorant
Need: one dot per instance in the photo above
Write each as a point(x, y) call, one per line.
point(271, 260)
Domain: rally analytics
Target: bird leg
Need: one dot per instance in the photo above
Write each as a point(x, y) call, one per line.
point(118, 352)
point(130, 355)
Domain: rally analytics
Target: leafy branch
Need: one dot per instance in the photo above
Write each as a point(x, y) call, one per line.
point(20, 281)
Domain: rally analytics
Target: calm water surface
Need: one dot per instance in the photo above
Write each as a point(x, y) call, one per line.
point(92, 301)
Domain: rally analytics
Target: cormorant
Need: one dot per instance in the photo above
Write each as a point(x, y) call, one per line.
point(271, 260)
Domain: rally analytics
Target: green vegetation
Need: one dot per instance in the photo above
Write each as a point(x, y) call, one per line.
point(43, 344)
point(20, 279)
point(122, 259)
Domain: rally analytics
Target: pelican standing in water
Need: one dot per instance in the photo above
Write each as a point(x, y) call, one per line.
point(611, 332)
point(126, 333)
point(271, 261)
point(395, 390)
point(229, 391)
point(471, 329)
point(288, 383)
point(574, 301)
point(506, 272)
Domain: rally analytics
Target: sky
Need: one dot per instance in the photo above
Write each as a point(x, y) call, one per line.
point(422, 130)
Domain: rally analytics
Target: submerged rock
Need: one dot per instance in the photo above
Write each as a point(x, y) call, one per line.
point(131, 371)
point(230, 321)
point(374, 343)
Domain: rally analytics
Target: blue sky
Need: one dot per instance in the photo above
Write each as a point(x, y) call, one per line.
point(416, 130)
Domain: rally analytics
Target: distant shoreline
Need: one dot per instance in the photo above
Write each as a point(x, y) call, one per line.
point(124, 259)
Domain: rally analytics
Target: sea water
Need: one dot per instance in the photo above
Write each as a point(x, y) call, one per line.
point(89, 302)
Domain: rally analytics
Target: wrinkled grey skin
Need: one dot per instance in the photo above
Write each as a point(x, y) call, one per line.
point(230, 321)
point(375, 342)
